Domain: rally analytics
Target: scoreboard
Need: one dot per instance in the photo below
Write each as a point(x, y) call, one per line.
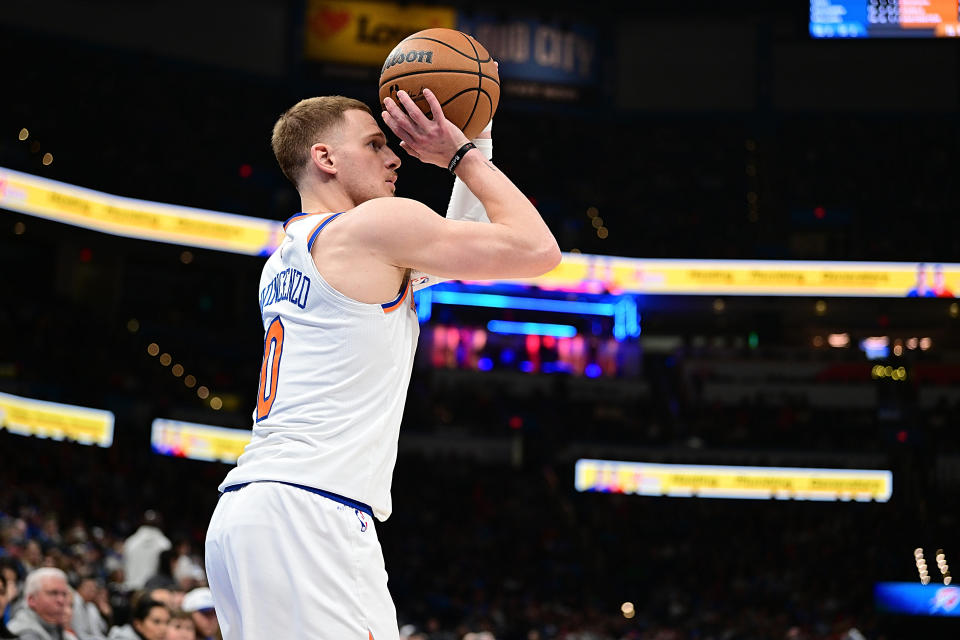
point(884, 19)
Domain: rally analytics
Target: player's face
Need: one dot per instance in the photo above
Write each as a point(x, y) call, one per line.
point(367, 166)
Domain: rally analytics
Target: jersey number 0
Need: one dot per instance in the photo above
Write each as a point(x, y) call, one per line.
point(270, 369)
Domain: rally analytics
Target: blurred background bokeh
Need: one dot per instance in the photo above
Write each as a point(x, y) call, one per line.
point(693, 130)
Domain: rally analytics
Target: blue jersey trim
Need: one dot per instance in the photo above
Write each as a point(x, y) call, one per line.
point(313, 236)
point(389, 306)
point(353, 504)
point(291, 218)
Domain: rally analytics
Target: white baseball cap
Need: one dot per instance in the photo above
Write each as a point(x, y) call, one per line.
point(198, 600)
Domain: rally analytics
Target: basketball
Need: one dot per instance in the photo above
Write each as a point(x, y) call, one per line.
point(453, 65)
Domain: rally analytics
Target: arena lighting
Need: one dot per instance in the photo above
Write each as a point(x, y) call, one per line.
point(626, 318)
point(496, 301)
point(838, 340)
point(876, 347)
point(917, 599)
point(423, 300)
point(29, 417)
point(723, 481)
point(532, 328)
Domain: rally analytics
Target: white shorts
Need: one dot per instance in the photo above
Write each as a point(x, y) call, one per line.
point(289, 564)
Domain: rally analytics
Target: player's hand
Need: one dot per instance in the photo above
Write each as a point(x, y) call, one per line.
point(434, 141)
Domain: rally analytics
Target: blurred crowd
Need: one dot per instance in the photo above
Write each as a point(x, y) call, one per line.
point(472, 548)
point(80, 583)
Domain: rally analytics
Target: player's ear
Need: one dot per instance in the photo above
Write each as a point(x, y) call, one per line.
point(321, 155)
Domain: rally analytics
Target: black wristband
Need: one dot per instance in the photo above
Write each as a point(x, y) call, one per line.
point(458, 156)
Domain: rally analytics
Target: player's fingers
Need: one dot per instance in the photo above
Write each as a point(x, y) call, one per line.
point(435, 109)
point(413, 111)
point(400, 125)
point(392, 108)
point(409, 149)
point(398, 118)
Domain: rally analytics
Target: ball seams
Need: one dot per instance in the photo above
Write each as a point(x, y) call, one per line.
point(468, 90)
point(476, 100)
point(429, 71)
point(451, 47)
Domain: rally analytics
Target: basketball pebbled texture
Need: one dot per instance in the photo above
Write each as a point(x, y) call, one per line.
point(453, 65)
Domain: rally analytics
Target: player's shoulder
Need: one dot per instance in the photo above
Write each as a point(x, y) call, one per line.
point(383, 214)
point(388, 206)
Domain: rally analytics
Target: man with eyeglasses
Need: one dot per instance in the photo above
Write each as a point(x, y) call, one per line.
point(47, 594)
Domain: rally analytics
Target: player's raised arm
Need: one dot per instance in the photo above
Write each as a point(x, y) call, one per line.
point(517, 243)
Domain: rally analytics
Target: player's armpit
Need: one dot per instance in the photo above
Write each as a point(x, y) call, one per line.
point(408, 234)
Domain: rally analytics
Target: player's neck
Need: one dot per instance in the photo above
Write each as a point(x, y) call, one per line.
point(320, 200)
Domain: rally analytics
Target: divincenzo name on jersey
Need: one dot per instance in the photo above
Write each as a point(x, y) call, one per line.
point(288, 285)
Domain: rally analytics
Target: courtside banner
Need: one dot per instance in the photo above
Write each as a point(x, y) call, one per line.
point(577, 273)
point(363, 33)
point(720, 481)
point(910, 598)
point(198, 441)
point(592, 273)
point(137, 218)
point(29, 417)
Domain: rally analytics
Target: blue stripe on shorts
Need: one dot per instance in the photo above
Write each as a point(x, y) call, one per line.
point(354, 504)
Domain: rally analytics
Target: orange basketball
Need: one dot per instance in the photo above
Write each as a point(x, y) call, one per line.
point(454, 66)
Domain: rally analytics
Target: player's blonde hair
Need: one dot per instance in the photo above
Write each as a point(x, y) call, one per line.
point(302, 126)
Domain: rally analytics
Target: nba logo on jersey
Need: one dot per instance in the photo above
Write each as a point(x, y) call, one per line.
point(363, 520)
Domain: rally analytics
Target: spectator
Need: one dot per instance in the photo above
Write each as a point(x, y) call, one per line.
point(4, 591)
point(89, 621)
point(10, 572)
point(66, 620)
point(163, 578)
point(186, 570)
point(150, 621)
point(32, 555)
point(141, 551)
point(47, 594)
point(181, 626)
point(199, 604)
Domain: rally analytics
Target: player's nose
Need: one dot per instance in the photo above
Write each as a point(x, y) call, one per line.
point(392, 161)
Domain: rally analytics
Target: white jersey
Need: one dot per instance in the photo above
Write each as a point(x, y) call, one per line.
point(333, 380)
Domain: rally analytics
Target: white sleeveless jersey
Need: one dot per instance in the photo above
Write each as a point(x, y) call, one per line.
point(333, 380)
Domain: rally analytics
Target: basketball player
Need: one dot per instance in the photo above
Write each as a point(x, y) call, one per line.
point(292, 549)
